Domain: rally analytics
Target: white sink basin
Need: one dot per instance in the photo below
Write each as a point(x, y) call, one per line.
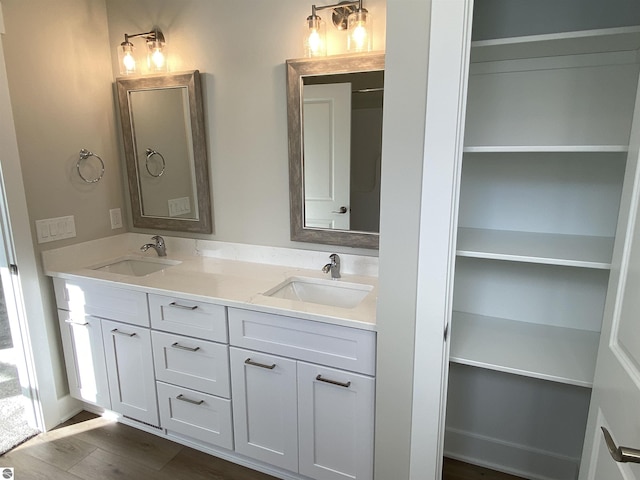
point(135, 266)
point(335, 293)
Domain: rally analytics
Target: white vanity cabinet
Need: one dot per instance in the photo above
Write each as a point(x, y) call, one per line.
point(305, 417)
point(191, 360)
point(545, 160)
point(122, 317)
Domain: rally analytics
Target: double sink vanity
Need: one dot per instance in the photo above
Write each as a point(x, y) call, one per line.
point(265, 365)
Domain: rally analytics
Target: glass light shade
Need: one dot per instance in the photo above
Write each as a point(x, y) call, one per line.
point(314, 37)
point(156, 56)
point(359, 31)
point(126, 59)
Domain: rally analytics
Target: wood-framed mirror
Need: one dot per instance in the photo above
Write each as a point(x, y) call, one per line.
point(334, 113)
point(163, 134)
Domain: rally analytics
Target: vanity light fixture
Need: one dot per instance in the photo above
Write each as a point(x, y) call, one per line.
point(156, 52)
point(349, 15)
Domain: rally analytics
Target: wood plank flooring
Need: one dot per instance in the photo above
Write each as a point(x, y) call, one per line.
point(89, 447)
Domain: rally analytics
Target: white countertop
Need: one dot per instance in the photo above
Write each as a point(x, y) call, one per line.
point(232, 283)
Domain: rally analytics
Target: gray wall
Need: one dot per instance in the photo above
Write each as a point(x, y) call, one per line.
point(240, 47)
point(58, 61)
point(513, 18)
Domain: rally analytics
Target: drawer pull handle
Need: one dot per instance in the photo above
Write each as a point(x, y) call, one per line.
point(182, 347)
point(188, 400)
point(333, 382)
point(184, 307)
point(248, 361)
point(115, 330)
point(76, 323)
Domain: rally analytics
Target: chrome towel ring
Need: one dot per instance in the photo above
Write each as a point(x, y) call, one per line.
point(84, 155)
point(150, 153)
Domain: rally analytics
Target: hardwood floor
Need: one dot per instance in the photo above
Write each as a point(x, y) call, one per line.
point(93, 448)
point(456, 470)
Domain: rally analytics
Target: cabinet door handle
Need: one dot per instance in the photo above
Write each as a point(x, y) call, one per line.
point(115, 330)
point(182, 347)
point(184, 307)
point(188, 400)
point(620, 454)
point(248, 361)
point(333, 382)
point(76, 323)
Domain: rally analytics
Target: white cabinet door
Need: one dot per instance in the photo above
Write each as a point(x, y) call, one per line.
point(130, 371)
point(84, 358)
point(265, 418)
point(335, 422)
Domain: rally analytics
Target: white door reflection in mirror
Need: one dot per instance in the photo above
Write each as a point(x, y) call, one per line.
point(327, 153)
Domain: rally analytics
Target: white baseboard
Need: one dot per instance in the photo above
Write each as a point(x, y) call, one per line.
point(514, 459)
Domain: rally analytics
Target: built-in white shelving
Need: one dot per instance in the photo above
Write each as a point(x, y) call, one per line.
point(543, 248)
point(546, 149)
point(546, 352)
point(557, 44)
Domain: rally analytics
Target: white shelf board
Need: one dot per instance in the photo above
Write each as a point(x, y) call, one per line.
point(563, 355)
point(548, 45)
point(546, 149)
point(542, 248)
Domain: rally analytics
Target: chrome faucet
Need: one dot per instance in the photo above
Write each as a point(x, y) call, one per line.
point(159, 246)
point(333, 267)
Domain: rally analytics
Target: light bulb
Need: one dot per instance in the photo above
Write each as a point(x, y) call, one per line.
point(129, 62)
point(314, 42)
point(314, 36)
point(126, 59)
point(157, 57)
point(359, 28)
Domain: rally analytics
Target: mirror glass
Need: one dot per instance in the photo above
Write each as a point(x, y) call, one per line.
point(163, 134)
point(335, 141)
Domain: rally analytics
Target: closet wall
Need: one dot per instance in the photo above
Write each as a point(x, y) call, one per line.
point(546, 140)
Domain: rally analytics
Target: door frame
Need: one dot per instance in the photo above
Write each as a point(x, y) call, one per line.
point(37, 329)
point(448, 66)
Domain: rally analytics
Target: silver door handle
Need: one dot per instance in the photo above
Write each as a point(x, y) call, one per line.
point(76, 323)
point(115, 330)
point(620, 454)
point(182, 347)
point(248, 361)
point(341, 210)
point(184, 307)
point(188, 400)
point(320, 378)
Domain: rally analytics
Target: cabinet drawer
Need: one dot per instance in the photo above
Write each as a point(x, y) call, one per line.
point(186, 317)
point(102, 301)
point(191, 363)
point(200, 416)
point(332, 345)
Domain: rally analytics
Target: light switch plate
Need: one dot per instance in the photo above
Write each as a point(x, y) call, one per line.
point(116, 218)
point(52, 229)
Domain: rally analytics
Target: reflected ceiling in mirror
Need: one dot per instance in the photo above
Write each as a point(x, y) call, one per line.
point(335, 138)
point(163, 135)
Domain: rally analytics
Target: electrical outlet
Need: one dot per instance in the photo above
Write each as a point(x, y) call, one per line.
point(116, 218)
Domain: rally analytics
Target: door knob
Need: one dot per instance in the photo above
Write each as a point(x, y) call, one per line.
point(620, 454)
point(341, 210)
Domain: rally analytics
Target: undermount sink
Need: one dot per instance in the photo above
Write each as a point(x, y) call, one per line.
point(334, 293)
point(135, 266)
